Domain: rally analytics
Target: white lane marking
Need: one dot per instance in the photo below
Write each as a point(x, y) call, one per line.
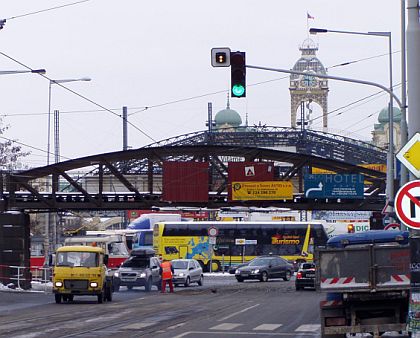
point(267, 327)
point(308, 328)
point(176, 325)
point(225, 326)
point(236, 313)
point(138, 326)
point(239, 333)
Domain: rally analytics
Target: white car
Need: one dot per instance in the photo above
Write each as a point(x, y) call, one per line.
point(187, 271)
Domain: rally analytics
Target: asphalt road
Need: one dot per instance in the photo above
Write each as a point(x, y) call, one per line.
point(221, 308)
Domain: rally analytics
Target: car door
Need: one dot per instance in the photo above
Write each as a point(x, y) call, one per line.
point(282, 267)
point(197, 270)
point(154, 266)
point(277, 267)
point(192, 271)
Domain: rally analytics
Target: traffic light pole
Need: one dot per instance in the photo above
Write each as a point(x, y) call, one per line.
point(389, 172)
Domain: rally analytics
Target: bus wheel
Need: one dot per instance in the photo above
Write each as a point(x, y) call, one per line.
point(215, 266)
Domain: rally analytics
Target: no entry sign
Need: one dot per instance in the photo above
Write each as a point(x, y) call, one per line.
point(407, 204)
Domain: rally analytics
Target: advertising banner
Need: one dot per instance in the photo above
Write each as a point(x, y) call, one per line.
point(334, 186)
point(262, 191)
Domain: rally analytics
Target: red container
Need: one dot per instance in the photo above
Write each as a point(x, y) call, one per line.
point(249, 172)
point(185, 181)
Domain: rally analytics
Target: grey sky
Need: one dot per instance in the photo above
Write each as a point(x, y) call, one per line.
point(149, 54)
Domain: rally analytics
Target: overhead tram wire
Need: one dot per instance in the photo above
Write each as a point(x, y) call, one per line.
point(79, 95)
point(46, 10)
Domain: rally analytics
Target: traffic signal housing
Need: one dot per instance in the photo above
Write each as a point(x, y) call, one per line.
point(238, 74)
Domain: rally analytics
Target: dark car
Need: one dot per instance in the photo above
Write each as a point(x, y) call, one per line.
point(140, 269)
point(232, 269)
point(305, 276)
point(265, 267)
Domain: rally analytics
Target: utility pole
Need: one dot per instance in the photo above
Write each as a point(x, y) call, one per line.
point(125, 133)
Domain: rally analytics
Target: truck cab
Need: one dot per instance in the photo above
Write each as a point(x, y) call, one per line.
point(80, 271)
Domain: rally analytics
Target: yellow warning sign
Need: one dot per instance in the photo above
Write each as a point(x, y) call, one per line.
point(262, 191)
point(409, 155)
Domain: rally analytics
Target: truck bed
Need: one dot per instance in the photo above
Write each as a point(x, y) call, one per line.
point(363, 268)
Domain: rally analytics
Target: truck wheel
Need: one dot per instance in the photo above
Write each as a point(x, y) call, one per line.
point(108, 294)
point(57, 298)
point(101, 297)
point(148, 285)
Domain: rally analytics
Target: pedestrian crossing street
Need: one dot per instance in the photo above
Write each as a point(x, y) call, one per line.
point(264, 327)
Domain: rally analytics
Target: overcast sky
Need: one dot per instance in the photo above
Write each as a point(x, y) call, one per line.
point(157, 54)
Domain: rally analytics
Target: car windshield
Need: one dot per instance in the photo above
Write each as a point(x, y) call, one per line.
point(260, 262)
point(136, 262)
point(180, 264)
point(77, 258)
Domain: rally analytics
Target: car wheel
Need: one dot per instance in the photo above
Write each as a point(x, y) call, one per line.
point(201, 281)
point(239, 279)
point(148, 285)
point(264, 277)
point(187, 282)
point(116, 287)
point(298, 287)
point(288, 276)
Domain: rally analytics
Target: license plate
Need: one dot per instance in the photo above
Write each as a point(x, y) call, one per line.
point(244, 274)
point(310, 275)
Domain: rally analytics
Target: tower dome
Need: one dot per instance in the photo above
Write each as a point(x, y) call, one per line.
point(383, 116)
point(227, 118)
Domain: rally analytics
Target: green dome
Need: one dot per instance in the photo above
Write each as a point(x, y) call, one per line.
point(384, 118)
point(228, 116)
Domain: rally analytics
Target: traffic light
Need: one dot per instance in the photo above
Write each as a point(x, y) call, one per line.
point(238, 74)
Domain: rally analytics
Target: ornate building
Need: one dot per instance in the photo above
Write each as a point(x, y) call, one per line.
point(380, 133)
point(308, 88)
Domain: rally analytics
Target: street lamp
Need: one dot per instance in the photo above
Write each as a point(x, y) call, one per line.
point(35, 71)
point(49, 108)
point(390, 155)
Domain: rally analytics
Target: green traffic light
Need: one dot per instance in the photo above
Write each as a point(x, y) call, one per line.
point(238, 90)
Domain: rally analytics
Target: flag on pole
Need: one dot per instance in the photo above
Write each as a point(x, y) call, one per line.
point(309, 16)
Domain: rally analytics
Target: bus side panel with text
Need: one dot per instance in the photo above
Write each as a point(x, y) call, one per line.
point(294, 241)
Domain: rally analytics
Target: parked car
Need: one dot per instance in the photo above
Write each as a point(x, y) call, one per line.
point(233, 268)
point(140, 269)
point(265, 267)
point(187, 271)
point(305, 276)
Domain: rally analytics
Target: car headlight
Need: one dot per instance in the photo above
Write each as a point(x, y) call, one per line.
point(256, 271)
point(58, 284)
point(237, 272)
point(142, 275)
point(181, 274)
point(93, 284)
point(116, 274)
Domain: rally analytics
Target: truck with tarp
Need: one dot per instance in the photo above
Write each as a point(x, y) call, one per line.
point(366, 278)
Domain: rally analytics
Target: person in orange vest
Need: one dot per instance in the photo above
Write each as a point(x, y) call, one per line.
point(166, 271)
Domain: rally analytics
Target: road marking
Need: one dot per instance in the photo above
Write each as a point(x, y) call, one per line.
point(237, 313)
point(138, 326)
point(176, 325)
point(239, 333)
point(308, 328)
point(225, 326)
point(267, 327)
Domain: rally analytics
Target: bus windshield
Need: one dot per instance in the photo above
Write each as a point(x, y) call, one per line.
point(143, 239)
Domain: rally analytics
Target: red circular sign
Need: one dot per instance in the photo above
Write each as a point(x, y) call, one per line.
point(392, 226)
point(407, 204)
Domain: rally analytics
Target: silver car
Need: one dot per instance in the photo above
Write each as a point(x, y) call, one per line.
point(187, 271)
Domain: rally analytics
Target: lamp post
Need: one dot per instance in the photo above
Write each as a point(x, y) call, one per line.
point(49, 108)
point(35, 71)
point(390, 155)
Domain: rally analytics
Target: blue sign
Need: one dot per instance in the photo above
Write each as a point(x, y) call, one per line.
point(334, 185)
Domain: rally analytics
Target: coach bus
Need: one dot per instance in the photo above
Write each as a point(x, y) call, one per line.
point(237, 242)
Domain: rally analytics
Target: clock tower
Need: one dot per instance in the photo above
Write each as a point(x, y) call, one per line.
point(308, 88)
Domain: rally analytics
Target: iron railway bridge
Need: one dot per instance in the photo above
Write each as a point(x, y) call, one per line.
point(292, 151)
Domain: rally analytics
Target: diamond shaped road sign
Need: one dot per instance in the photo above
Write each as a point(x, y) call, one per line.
point(409, 155)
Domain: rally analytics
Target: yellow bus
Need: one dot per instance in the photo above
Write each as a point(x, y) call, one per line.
point(237, 242)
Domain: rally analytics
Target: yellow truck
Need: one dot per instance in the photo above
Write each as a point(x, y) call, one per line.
point(81, 270)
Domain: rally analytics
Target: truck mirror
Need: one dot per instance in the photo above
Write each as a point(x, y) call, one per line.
point(106, 259)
